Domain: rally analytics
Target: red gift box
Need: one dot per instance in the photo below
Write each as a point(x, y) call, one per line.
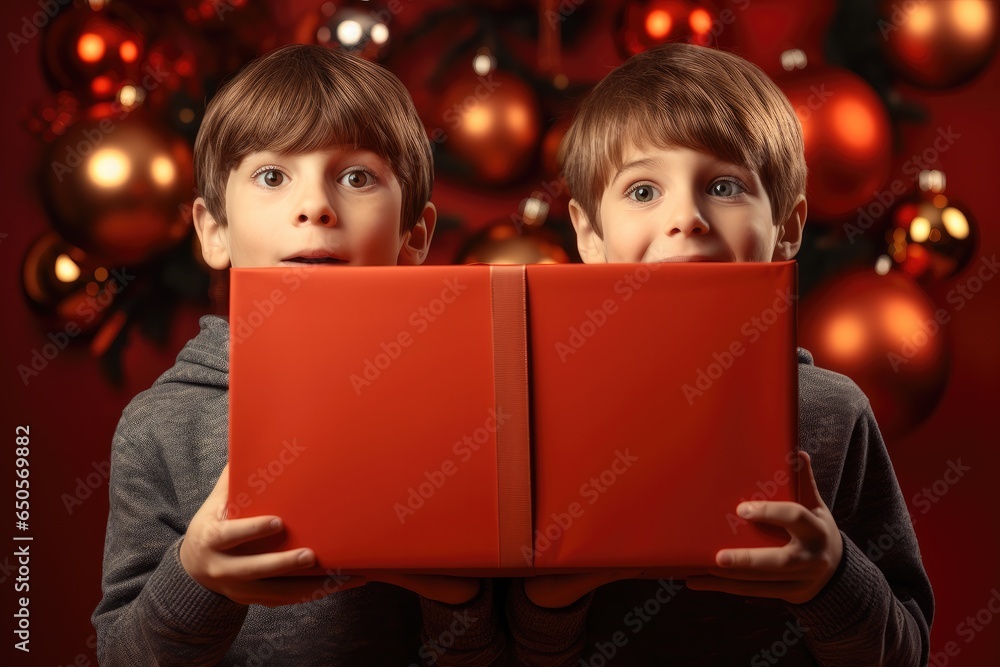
point(488, 420)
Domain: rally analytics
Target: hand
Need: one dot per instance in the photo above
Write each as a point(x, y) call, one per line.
point(796, 572)
point(248, 579)
point(439, 587)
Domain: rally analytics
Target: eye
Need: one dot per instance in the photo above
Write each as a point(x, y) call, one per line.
point(642, 193)
point(358, 178)
point(726, 188)
point(269, 177)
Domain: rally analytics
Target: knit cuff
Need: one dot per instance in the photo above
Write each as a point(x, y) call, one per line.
point(546, 630)
point(187, 607)
point(854, 594)
point(467, 634)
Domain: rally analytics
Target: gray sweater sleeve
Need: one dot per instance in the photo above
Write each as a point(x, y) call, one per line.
point(152, 611)
point(542, 636)
point(878, 607)
point(468, 635)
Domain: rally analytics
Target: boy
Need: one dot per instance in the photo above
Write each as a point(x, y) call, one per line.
point(686, 153)
point(309, 156)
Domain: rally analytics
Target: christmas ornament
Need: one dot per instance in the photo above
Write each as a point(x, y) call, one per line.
point(118, 189)
point(491, 123)
point(940, 44)
point(94, 53)
point(847, 138)
point(643, 25)
point(69, 287)
point(883, 332)
point(762, 30)
point(503, 242)
point(357, 27)
point(932, 237)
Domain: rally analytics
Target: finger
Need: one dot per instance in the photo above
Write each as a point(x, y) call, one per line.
point(798, 569)
point(235, 532)
point(443, 588)
point(264, 566)
point(763, 559)
point(292, 590)
point(757, 575)
point(763, 589)
point(799, 521)
point(808, 491)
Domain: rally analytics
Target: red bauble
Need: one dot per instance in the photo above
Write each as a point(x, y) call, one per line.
point(761, 30)
point(72, 289)
point(94, 53)
point(118, 188)
point(645, 24)
point(881, 332)
point(847, 138)
point(362, 28)
point(491, 123)
point(931, 238)
point(940, 44)
point(501, 242)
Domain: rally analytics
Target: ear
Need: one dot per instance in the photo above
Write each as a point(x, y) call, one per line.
point(790, 232)
point(588, 242)
point(417, 241)
point(214, 236)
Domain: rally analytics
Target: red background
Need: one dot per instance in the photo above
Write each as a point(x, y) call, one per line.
point(72, 410)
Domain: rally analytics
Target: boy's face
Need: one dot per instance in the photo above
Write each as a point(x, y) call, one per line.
point(333, 206)
point(677, 204)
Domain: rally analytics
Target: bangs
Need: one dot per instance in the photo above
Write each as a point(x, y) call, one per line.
point(303, 98)
point(671, 120)
point(303, 113)
point(682, 96)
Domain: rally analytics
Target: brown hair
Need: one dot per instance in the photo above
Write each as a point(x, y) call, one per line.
point(301, 98)
point(686, 96)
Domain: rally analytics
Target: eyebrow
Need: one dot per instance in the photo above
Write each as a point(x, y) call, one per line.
point(352, 153)
point(649, 162)
point(644, 163)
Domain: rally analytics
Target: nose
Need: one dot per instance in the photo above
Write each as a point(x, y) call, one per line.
point(315, 207)
point(686, 220)
point(327, 219)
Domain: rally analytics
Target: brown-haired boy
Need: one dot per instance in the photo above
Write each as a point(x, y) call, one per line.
point(308, 156)
point(685, 153)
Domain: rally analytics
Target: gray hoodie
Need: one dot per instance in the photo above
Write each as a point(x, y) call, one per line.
point(168, 452)
point(171, 445)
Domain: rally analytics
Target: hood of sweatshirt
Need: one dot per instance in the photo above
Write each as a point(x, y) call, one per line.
point(204, 360)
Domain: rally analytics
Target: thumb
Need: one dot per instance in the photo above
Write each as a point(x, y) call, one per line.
point(808, 491)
